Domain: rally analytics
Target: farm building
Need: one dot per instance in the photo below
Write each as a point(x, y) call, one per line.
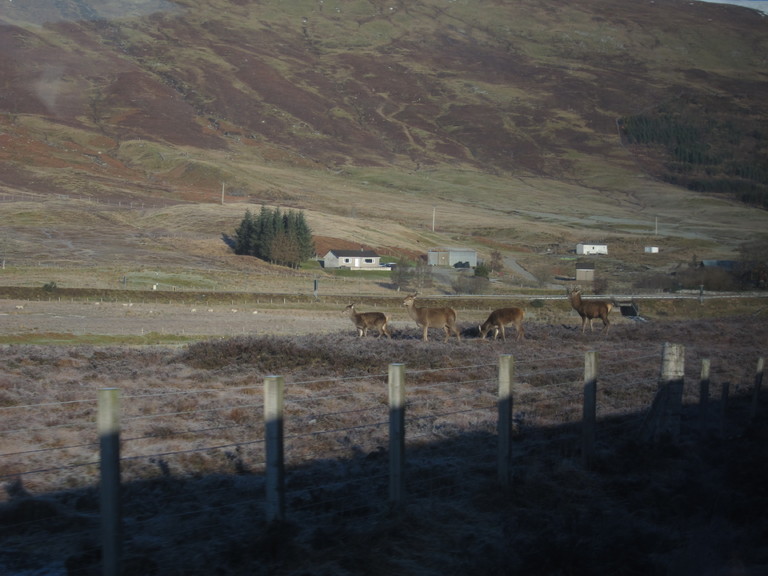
point(585, 271)
point(353, 259)
point(452, 257)
point(583, 248)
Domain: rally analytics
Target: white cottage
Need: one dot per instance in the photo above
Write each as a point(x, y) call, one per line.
point(352, 259)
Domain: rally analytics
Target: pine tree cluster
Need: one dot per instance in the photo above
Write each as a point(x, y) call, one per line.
point(278, 237)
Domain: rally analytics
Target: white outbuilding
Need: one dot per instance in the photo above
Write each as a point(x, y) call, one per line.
point(583, 248)
point(463, 257)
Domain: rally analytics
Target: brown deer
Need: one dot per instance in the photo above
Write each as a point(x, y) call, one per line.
point(590, 309)
point(365, 320)
point(427, 318)
point(500, 318)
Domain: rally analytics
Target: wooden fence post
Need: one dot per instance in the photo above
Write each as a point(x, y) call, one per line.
point(396, 435)
point(704, 396)
point(756, 390)
point(589, 414)
point(506, 377)
point(108, 424)
point(275, 459)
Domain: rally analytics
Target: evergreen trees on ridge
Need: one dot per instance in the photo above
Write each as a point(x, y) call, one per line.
point(278, 237)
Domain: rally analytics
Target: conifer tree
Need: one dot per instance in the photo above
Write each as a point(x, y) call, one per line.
point(244, 234)
point(304, 237)
point(266, 233)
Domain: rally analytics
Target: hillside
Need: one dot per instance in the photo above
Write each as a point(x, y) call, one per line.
point(133, 122)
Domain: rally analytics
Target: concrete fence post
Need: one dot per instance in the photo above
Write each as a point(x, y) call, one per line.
point(108, 424)
point(671, 384)
point(275, 459)
point(664, 417)
point(589, 414)
point(396, 435)
point(506, 378)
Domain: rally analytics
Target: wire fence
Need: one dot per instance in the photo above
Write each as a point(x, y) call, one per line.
point(127, 203)
point(335, 440)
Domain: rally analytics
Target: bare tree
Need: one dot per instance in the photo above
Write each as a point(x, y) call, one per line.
point(497, 261)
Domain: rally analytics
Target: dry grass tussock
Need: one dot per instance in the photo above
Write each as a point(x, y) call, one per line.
point(192, 449)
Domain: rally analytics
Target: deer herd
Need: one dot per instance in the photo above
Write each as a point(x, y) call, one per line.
point(445, 318)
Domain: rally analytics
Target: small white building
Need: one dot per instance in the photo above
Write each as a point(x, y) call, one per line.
point(585, 271)
point(352, 259)
point(584, 248)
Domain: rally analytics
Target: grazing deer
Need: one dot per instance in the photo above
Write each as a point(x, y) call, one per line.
point(500, 318)
point(365, 320)
point(590, 309)
point(427, 318)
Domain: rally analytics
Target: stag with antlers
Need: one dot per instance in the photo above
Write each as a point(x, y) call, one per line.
point(590, 309)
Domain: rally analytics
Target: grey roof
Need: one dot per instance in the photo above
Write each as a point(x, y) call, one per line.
point(354, 253)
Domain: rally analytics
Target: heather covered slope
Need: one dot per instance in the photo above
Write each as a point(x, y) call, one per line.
point(524, 88)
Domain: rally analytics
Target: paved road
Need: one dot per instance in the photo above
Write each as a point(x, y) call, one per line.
point(511, 264)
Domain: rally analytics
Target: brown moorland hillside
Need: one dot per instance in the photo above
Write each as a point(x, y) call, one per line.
point(522, 88)
point(500, 116)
